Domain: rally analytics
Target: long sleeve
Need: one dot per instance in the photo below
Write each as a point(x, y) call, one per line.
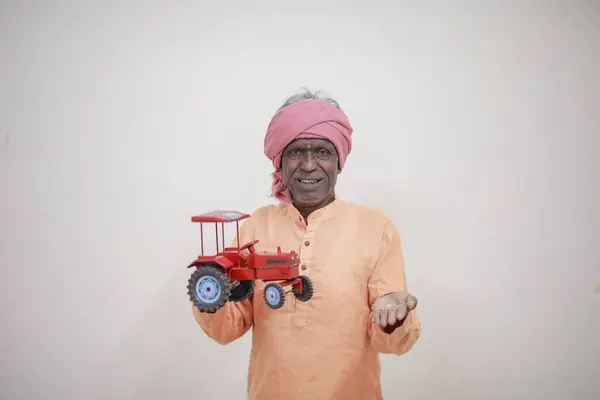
point(389, 276)
point(229, 323)
point(234, 319)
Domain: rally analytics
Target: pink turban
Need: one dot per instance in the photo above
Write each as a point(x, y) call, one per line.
point(308, 118)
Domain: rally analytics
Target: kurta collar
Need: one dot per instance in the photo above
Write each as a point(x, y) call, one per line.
point(317, 216)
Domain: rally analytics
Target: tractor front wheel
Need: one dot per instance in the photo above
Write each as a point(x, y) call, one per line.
point(307, 289)
point(208, 288)
point(274, 295)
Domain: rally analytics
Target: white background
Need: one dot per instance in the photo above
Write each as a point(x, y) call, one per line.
point(476, 128)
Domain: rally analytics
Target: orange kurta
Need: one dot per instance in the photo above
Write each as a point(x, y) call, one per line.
point(326, 348)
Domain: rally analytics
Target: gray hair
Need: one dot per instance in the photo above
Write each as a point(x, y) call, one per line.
point(307, 94)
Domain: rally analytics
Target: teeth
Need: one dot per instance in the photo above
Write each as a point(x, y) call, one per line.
point(308, 180)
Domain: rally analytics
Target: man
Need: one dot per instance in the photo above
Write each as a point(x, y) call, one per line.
point(326, 348)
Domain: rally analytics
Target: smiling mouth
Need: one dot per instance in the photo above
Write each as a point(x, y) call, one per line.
point(309, 182)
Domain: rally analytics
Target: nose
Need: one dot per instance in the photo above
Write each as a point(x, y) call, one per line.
point(308, 162)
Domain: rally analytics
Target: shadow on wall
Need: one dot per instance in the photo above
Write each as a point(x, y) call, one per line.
point(169, 356)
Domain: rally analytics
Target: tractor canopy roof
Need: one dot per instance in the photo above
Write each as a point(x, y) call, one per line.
point(220, 216)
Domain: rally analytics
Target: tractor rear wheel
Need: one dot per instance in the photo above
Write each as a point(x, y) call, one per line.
point(274, 295)
point(208, 288)
point(307, 289)
point(242, 291)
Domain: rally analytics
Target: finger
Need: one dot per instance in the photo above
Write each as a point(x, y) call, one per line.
point(401, 313)
point(383, 317)
point(391, 317)
point(376, 315)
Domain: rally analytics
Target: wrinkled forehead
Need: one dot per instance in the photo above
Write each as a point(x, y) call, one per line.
point(311, 143)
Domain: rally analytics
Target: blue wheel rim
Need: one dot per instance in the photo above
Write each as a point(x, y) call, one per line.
point(208, 289)
point(273, 296)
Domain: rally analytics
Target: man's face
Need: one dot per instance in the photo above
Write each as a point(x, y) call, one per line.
point(310, 168)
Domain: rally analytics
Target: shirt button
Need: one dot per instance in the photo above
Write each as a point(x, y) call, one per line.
point(303, 267)
point(306, 243)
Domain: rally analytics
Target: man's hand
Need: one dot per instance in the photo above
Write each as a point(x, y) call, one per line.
point(391, 310)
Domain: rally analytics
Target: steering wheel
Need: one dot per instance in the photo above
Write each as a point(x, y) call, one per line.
point(249, 244)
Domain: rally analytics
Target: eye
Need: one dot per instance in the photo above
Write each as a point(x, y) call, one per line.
point(323, 154)
point(294, 153)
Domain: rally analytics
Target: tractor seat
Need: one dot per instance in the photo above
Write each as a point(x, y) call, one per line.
point(242, 255)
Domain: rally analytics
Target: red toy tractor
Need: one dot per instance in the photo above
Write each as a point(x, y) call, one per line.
point(230, 275)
